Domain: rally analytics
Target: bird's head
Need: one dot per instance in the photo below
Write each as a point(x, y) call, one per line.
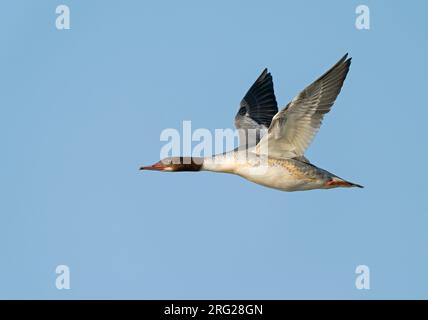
point(174, 164)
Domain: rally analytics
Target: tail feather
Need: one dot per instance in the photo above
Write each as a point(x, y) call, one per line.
point(355, 185)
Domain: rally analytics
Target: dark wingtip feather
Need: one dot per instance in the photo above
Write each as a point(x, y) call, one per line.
point(265, 74)
point(347, 60)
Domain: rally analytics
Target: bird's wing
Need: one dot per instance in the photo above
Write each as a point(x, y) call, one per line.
point(293, 128)
point(256, 110)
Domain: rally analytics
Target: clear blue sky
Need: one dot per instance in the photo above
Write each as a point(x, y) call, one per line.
point(81, 109)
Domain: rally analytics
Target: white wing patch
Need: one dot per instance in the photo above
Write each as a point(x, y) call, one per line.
point(293, 128)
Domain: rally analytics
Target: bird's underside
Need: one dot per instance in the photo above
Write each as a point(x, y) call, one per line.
point(272, 143)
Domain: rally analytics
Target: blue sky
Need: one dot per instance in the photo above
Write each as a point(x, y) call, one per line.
point(82, 109)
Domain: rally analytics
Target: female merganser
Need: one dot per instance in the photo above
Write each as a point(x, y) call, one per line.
point(275, 159)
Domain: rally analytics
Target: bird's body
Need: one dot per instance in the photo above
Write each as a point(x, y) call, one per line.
point(276, 173)
point(272, 143)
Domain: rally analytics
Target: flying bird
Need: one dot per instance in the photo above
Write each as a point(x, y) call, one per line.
point(274, 155)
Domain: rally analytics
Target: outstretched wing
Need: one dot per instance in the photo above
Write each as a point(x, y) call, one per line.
point(294, 127)
point(256, 110)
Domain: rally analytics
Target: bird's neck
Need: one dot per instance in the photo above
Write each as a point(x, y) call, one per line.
point(225, 162)
point(189, 164)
